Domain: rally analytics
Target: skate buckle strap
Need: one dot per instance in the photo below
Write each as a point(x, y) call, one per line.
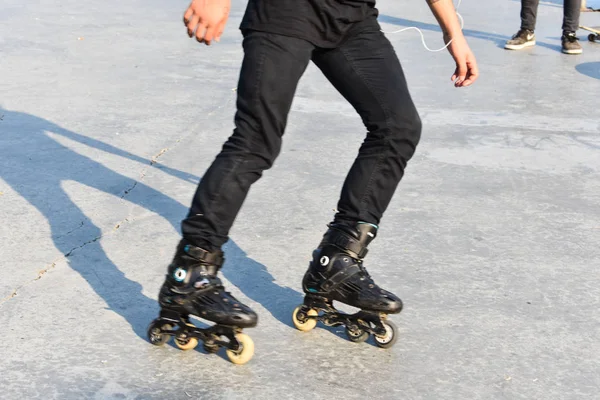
point(340, 277)
point(346, 242)
point(204, 282)
point(215, 258)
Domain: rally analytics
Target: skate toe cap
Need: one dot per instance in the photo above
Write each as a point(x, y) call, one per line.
point(390, 304)
point(244, 319)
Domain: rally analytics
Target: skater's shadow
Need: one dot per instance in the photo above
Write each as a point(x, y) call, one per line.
point(255, 281)
point(36, 166)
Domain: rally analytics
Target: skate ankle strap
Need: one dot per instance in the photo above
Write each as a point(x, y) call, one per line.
point(214, 258)
point(346, 242)
point(340, 277)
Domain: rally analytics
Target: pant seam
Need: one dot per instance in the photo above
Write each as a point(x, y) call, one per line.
point(362, 201)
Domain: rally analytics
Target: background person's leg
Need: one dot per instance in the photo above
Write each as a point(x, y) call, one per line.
point(572, 10)
point(529, 10)
point(570, 44)
point(272, 67)
point(525, 37)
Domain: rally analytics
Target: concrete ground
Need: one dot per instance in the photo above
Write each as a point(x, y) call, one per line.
point(109, 117)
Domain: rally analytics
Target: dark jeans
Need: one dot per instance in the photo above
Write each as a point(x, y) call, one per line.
point(572, 9)
point(366, 71)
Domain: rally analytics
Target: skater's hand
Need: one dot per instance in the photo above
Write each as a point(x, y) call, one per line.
point(206, 19)
point(466, 66)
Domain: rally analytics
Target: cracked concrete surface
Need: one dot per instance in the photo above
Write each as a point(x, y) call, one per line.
point(43, 271)
point(108, 120)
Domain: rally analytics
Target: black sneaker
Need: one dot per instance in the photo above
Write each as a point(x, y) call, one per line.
point(523, 38)
point(570, 44)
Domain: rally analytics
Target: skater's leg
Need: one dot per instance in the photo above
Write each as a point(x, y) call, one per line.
point(270, 72)
point(272, 67)
point(366, 71)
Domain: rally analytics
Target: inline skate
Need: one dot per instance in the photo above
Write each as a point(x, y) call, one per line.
point(193, 288)
point(336, 272)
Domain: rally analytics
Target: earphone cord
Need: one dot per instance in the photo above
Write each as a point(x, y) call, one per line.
point(462, 25)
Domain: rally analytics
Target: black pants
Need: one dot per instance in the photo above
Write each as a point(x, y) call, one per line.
point(572, 9)
point(366, 71)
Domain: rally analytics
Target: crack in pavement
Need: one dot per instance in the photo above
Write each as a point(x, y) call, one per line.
point(72, 230)
point(65, 256)
point(144, 171)
point(43, 271)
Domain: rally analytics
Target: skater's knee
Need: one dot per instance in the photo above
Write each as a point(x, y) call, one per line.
point(399, 132)
point(418, 126)
point(254, 152)
point(406, 126)
point(399, 123)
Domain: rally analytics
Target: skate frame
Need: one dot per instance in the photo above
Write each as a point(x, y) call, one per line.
point(209, 336)
point(366, 321)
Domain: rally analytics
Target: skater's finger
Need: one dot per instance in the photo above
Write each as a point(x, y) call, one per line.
point(200, 31)
point(220, 29)
point(473, 75)
point(209, 35)
point(192, 23)
point(188, 15)
point(461, 72)
point(455, 76)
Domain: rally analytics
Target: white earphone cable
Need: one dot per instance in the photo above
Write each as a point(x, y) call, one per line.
point(462, 25)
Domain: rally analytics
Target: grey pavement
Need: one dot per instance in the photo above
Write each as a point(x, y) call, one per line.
point(109, 117)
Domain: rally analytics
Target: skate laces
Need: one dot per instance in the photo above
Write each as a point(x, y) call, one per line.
point(364, 273)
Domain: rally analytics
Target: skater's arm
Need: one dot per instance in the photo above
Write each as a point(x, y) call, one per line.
point(466, 66)
point(206, 19)
point(444, 12)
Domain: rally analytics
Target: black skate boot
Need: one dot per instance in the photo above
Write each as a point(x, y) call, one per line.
point(337, 273)
point(192, 288)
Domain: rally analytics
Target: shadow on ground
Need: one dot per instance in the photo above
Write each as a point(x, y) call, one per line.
point(35, 166)
point(591, 69)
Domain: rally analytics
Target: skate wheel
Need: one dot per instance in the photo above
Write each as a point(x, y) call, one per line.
point(306, 324)
point(391, 336)
point(186, 344)
point(357, 335)
point(592, 37)
point(154, 333)
point(210, 348)
point(246, 351)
